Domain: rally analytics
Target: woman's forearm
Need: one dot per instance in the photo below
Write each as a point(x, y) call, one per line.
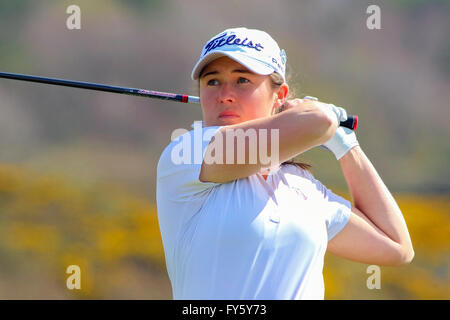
point(372, 197)
point(271, 140)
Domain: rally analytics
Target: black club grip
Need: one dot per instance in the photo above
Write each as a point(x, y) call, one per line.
point(351, 122)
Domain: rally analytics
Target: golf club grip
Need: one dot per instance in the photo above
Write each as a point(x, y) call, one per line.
point(351, 122)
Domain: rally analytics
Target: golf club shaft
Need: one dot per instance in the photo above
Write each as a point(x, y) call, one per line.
point(102, 87)
point(351, 122)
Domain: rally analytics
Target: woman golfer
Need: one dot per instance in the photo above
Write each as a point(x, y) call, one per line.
point(233, 228)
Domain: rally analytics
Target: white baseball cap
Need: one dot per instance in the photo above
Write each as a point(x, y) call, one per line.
point(254, 49)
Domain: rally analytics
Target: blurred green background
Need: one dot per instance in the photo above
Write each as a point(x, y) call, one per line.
point(78, 168)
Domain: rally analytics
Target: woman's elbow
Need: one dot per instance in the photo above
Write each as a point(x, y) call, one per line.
point(407, 256)
point(403, 257)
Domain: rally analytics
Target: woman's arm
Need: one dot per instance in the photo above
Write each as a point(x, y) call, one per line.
point(376, 232)
point(304, 126)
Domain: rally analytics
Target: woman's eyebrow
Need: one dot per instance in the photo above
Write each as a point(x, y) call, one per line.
point(234, 71)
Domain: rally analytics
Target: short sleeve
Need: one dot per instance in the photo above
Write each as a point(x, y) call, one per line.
point(336, 209)
point(336, 218)
point(180, 164)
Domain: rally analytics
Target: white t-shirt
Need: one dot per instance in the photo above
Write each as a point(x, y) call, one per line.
point(245, 239)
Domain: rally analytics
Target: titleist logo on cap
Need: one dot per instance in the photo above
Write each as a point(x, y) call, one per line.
point(222, 40)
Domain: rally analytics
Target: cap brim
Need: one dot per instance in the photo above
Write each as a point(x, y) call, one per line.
point(254, 65)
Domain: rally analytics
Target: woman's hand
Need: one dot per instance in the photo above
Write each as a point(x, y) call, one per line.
point(306, 105)
point(336, 114)
point(343, 140)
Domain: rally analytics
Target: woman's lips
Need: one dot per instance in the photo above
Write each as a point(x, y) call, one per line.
point(228, 114)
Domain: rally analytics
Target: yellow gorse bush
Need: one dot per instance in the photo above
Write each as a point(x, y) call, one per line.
point(57, 224)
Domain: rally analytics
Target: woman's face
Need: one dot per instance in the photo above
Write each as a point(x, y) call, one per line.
point(231, 93)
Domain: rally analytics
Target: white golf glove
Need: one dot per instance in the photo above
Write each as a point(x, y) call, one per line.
point(331, 109)
point(344, 139)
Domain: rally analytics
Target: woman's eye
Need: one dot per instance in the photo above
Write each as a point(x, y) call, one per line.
point(244, 80)
point(210, 82)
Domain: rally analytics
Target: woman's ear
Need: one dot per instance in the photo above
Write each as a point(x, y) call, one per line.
point(281, 96)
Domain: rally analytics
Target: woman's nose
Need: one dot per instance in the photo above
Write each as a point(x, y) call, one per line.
point(227, 93)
